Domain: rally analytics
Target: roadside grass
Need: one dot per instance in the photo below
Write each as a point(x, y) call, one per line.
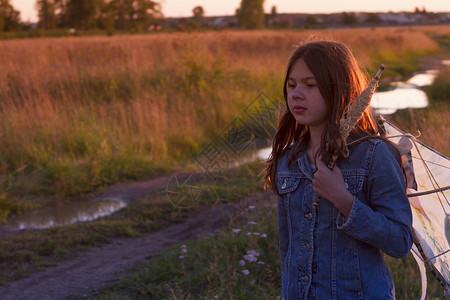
point(241, 262)
point(27, 252)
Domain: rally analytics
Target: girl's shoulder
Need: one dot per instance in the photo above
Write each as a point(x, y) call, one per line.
point(363, 154)
point(373, 144)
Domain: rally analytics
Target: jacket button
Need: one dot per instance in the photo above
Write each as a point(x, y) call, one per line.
point(307, 247)
point(309, 216)
point(305, 279)
point(283, 186)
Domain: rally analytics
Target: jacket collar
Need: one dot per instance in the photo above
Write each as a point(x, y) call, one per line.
point(304, 166)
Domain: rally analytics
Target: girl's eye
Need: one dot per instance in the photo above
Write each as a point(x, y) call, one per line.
point(311, 84)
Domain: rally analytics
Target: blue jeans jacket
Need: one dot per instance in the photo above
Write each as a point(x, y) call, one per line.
point(325, 255)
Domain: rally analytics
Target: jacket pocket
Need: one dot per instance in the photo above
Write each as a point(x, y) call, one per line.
point(287, 183)
point(354, 180)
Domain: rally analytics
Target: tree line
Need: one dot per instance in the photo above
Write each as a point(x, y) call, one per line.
point(125, 15)
point(143, 15)
point(85, 14)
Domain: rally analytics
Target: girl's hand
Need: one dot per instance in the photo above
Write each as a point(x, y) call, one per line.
point(330, 185)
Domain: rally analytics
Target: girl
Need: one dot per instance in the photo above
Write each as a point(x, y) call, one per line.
point(334, 250)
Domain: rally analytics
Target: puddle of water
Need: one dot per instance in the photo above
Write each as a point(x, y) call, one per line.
point(423, 79)
point(404, 95)
point(69, 213)
point(387, 103)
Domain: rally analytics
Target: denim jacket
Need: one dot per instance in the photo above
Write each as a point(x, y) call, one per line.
point(325, 255)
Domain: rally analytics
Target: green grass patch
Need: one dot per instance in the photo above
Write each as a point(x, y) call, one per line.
point(227, 265)
point(439, 91)
point(403, 64)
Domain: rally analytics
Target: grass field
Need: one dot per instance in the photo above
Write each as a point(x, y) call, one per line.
point(79, 113)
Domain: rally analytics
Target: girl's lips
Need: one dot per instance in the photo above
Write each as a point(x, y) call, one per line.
point(299, 109)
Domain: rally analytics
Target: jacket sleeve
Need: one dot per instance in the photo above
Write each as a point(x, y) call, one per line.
point(385, 222)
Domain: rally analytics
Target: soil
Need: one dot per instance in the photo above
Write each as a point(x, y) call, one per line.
point(82, 276)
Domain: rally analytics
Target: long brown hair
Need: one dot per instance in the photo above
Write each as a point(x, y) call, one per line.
point(340, 81)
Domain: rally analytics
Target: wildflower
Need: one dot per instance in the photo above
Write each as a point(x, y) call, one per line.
point(251, 223)
point(242, 262)
point(181, 257)
point(263, 235)
point(249, 233)
point(236, 230)
point(183, 246)
point(184, 250)
point(256, 233)
point(251, 207)
point(245, 272)
point(260, 263)
point(252, 252)
point(250, 257)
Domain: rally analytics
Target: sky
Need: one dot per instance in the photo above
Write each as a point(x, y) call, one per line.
point(183, 8)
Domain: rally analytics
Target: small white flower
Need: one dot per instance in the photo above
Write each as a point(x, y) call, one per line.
point(250, 258)
point(242, 262)
point(256, 233)
point(263, 235)
point(236, 230)
point(251, 223)
point(181, 257)
point(245, 272)
point(251, 207)
point(252, 252)
point(184, 250)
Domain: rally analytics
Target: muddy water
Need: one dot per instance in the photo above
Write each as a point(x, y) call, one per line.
point(68, 213)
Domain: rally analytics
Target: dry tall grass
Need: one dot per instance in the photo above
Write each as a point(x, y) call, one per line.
point(75, 112)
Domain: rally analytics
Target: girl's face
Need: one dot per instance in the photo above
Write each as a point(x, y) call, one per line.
point(304, 99)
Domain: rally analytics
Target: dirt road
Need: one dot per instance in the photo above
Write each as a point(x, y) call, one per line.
point(81, 276)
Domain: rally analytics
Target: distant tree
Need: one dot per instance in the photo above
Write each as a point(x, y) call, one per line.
point(311, 20)
point(9, 17)
point(81, 14)
point(373, 18)
point(198, 12)
point(349, 18)
point(46, 10)
point(418, 11)
point(198, 18)
point(251, 14)
point(146, 13)
point(272, 19)
point(133, 14)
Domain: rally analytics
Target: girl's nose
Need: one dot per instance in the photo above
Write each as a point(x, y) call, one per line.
point(298, 94)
